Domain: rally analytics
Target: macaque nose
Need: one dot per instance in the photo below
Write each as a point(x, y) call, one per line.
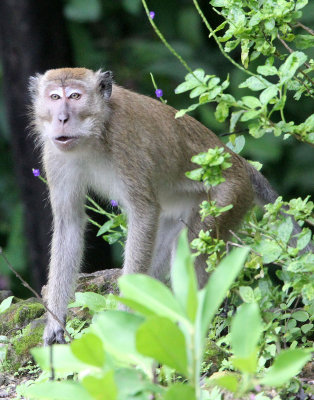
point(63, 117)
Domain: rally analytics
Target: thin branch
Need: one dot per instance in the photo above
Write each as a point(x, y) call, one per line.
point(24, 283)
point(306, 28)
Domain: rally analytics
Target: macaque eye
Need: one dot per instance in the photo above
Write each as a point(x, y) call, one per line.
point(55, 96)
point(75, 96)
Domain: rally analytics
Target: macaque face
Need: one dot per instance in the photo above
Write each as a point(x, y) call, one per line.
point(70, 106)
point(66, 106)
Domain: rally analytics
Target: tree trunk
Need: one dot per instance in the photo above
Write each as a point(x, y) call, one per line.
point(33, 38)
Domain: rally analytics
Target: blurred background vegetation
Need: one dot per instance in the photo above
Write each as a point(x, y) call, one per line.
point(115, 35)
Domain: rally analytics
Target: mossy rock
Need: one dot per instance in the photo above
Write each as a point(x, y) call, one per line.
point(213, 357)
point(18, 353)
point(19, 315)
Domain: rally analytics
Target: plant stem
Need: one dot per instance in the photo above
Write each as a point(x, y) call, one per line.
point(212, 32)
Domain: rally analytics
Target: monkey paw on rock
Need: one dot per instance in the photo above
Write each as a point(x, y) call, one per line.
point(53, 333)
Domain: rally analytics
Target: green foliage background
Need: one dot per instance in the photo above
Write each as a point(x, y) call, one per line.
point(116, 35)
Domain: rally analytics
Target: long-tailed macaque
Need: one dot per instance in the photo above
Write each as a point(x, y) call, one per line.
point(130, 148)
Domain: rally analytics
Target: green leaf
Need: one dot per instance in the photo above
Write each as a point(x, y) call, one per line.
point(239, 144)
point(198, 91)
point(286, 366)
point(101, 388)
point(304, 41)
point(219, 3)
point(227, 381)
point(57, 391)
point(209, 96)
point(301, 316)
point(268, 94)
point(234, 119)
point(117, 331)
point(269, 250)
point(93, 301)
point(251, 101)
point(153, 294)
point(250, 115)
point(254, 83)
point(222, 111)
point(106, 227)
point(186, 86)
point(180, 391)
point(64, 360)
point(83, 11)
point(267, 70)
point(247, 294)
point(218, 284)
point(246, 364)
point(300, 4)
point(5, 304)
point(89, 349)
point(244, 340)
point(183, 277)
point(285, 230)
point(290, 66)
point(161, 339)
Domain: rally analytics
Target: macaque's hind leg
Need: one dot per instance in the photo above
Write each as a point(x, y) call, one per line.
point(168, 232)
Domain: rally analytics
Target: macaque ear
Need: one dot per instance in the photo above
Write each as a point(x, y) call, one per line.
point(33, 85)
point(105, 83)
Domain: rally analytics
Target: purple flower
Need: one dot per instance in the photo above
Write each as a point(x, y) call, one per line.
point(36, 172)
point(158, 92)
point(114, 203)
point(152, 14)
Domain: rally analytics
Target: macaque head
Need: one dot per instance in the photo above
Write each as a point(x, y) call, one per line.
point(70, 105)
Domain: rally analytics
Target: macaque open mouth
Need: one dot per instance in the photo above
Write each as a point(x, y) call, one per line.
point(65, 139)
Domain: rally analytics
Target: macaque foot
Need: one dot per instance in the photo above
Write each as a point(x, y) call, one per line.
point(53, 333)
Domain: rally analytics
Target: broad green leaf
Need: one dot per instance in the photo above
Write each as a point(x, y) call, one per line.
point(309, 122)
point(222, 111)
point(268, 94)
point(267, 70)
point(161, 339)
point(117, 331)
point(180, 391)
point(269, 250)
point(285, 230)
point(186, 86)
point(246, 329)
point(89, 349)
point(5, 304)
point(152, 294)
point(83, 11)
point(301, 316)
point(198, 91)
point(254, 83)
point(56, 390)
point(239, 144)
point(251, 101)
point(250, 115)
point(209, 96)
point(105, 228)
point(287, 365)
point(292, 63)
point(64, 360)
point(101, 388)
point(304, 238)
point(93, 301)
point(300, 4)
point(219, 3)
point(183, 277)
point(246, 364)
point(218, 285)
point(131, 382)
point(227, 381)
point(247, 294)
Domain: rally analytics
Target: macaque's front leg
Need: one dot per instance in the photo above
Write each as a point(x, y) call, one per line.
point(66, 255)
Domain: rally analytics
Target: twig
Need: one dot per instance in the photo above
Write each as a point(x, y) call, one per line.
point(306, 28)
point(52, 369)
point(24, 283)
point(241, 241)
